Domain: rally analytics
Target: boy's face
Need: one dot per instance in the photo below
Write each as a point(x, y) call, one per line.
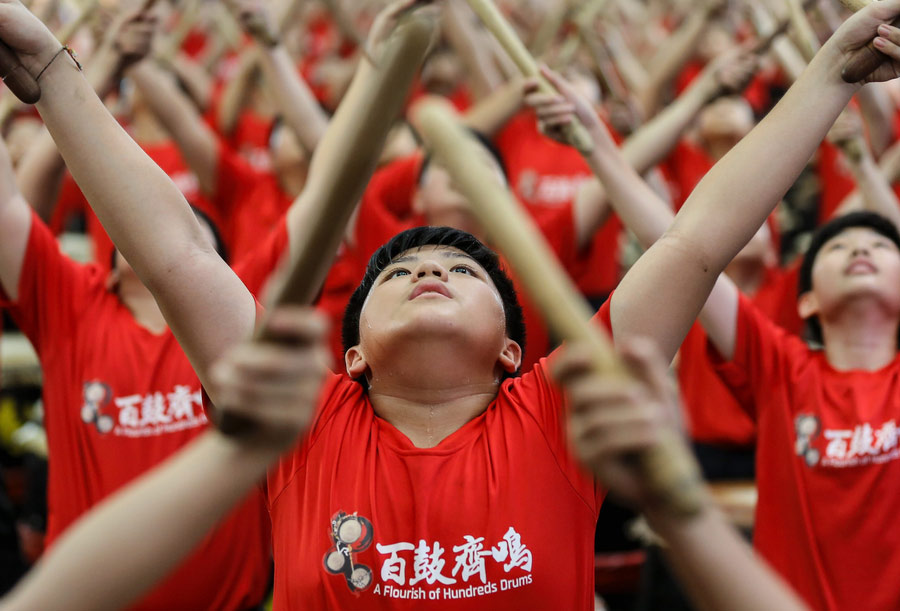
point(427, 293)
point(857, 262)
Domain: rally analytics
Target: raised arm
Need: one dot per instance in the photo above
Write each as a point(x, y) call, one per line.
point(647, 146)
point(143, 212)
point(15, 225)
point(293, 98)
point(108, 561)
point(683, 265)
point(673, 53)
point(195, 139)
point(637, 204)
point(462, 29)
point(41, 170)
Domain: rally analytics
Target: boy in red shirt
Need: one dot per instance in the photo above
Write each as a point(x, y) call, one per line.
point(437, 422)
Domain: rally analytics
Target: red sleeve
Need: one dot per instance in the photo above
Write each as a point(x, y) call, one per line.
point(255, 268)
point(52, 289)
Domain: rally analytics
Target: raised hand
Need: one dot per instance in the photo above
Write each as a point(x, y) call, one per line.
point(27, 36)
point(133, 35)
point(613, 418)
point(556, 111)
point(275, 384)
point(873, 21)
point(256, 19)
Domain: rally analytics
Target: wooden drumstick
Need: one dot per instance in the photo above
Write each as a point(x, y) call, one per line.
point(673, 473)
point(575, 133)
point(347, 159)
point(16, 77)
point(805, 36)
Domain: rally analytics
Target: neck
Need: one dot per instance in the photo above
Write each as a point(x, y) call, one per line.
point(143, 307)
point(863, 335)
point(429, 398)
point(747, 274)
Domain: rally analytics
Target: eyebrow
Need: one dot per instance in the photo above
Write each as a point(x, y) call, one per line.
point(447, 254)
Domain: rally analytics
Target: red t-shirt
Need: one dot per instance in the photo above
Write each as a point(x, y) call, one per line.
point(684, 168)
point(713, 413)
point(498, 515)
point(118, 400)
point(544, 175)
point(251, 202)
point(827, 466)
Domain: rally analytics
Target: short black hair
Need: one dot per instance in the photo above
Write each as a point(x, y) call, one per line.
point(435, 236)
point(484, 141)
point(836, 226)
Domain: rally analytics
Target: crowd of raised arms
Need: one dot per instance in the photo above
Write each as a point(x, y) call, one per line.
point(299, 366)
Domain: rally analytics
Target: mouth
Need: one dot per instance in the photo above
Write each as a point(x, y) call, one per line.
point(859, 267)
point(430, 288)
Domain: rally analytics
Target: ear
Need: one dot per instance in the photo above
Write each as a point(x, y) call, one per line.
point(355, 362)
point(807, 305)
point(510, 357)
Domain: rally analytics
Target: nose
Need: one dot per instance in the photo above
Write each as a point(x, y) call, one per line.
point(859, 249)
point(430, 269)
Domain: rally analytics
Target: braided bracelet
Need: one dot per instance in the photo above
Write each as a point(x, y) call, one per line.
point(68, 50)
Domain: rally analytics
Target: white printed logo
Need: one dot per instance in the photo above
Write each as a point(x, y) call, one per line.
point(861, 445)
point(158, 413)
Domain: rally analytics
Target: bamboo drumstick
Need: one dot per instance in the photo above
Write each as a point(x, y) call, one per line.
point(673, 473)
point(576, 134)
point(806, 37)
point(348, 160)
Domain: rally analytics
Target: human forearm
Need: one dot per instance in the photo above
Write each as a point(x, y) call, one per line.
point(109, 562)
point(877, 111)
point(490, 114)
point(459, 27)
point(653, 141)
point(875, 190)
point(40, 174)
point(295, 101)
point(195, 78)
point(717, 567)
point(147, 218)
point(194, 138)
point(237, 90)
point(752, 179)
point(670, 58)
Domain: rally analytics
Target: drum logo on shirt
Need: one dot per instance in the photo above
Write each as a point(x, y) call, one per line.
point(351, 534)
point(846, 447)
point(468, 577)
point(139, 415)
